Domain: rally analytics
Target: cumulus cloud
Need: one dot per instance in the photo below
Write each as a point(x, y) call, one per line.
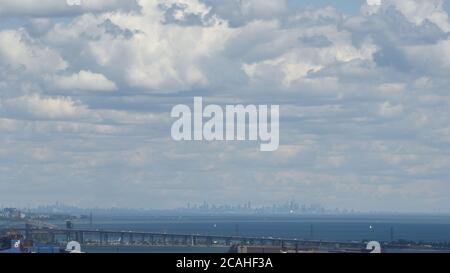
point(84, 80)
point(19, 52)
point(389, 110)
point(35, 106)
point(417, 11)
point(263, 9)
point(46, 8)
point(240, 12)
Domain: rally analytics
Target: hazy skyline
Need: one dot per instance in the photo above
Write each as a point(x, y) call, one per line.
point(363, 88)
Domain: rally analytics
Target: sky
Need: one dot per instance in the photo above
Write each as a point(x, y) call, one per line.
point(86, 94)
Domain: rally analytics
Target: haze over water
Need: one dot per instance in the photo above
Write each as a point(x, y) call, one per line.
point(424, 228)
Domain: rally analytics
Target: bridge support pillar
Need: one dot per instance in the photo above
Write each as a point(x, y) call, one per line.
point(81, 237)
point(51, 237)
point(28, 232)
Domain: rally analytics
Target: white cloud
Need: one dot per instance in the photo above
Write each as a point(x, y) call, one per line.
point(35, 106)
point(60, 7)
point(157, 60)
point(389, 110)
point(374, 2)
point(430, 57)
point(20, 52)
point(263, 9)
point(85, 81)
point(295, 64)
point(417, 11)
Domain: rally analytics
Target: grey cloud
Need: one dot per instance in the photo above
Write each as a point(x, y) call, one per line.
point(58, 8)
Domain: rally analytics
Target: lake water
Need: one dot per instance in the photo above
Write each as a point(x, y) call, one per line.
point(418, 228)
point(327, 227)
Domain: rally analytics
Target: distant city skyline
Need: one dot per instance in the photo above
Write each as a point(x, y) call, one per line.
point(204, 208)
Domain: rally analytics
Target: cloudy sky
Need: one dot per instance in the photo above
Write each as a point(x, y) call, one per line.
point(86, 94)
